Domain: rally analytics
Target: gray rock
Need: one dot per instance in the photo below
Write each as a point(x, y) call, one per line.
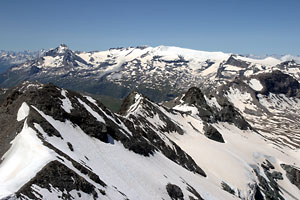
point(174, 192)
point(213, 134)
point(293, 174)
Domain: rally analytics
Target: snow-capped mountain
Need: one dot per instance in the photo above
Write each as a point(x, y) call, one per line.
point(238, 141)
point(11, 58)
point(161, 73)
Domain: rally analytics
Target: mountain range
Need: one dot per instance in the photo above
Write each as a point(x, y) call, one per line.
point(161, 73)
point(215, 126)
point(11, 58)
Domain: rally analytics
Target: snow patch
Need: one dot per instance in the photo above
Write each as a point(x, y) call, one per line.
point(120, 124)
point(90, 110)
point(22, 161)
point(255, 84)
point(241, 100)
point(137, 100)
point(186, 108)
point(212, 102)
point(23, 111)
point(66, 103)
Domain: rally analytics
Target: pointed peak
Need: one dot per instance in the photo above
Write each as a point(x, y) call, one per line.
point(194, 96)
point(60, 50)
point(193, 92)
point(131, 102)
point(63, 45)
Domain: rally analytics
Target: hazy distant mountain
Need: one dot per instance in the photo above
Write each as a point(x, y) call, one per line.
point(11, 58)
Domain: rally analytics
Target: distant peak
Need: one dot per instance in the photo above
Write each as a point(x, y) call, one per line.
point(63, 45)
point(61, 49)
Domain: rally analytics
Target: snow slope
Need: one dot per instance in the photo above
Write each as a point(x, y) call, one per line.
point(232, 162)
point(116, 171)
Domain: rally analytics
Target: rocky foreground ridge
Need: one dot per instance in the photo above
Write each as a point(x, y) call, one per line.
point(239, 141)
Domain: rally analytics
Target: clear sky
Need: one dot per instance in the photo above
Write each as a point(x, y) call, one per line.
point(236, 26)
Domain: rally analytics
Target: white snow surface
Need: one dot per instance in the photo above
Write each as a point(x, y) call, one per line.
point(90, 110)
point(170, 51)
point(268, 61)
point(66, 103)
point(255, 84)
point(23, 111)
point(22, 161)
point(233, 161)
point(186, 108)
point(240, 99)
point(117, 166)
point(212, 102)
point(289, 57)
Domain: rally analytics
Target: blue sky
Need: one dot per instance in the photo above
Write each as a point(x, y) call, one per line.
point(237, 26)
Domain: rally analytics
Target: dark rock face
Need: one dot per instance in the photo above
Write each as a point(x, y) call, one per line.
point(227, 188)
point(194, 96)
point(235, 62)
point(194, 192)
point(267, 165)
point(127, 102)
point(288, 64)
point(293, 174)
point(271, 191)
point(269, 187)
point(34, 69)
point(150, 110)
point(258, 195)
point(59, 176)
point(279, 83)
point(7, 116)
point(229, 114)
point(213, 134)
point(3, 94)
point(174, 192)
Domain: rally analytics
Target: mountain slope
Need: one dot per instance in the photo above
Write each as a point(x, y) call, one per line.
point(270, 102)
point(244, 161)
point(70, 146)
